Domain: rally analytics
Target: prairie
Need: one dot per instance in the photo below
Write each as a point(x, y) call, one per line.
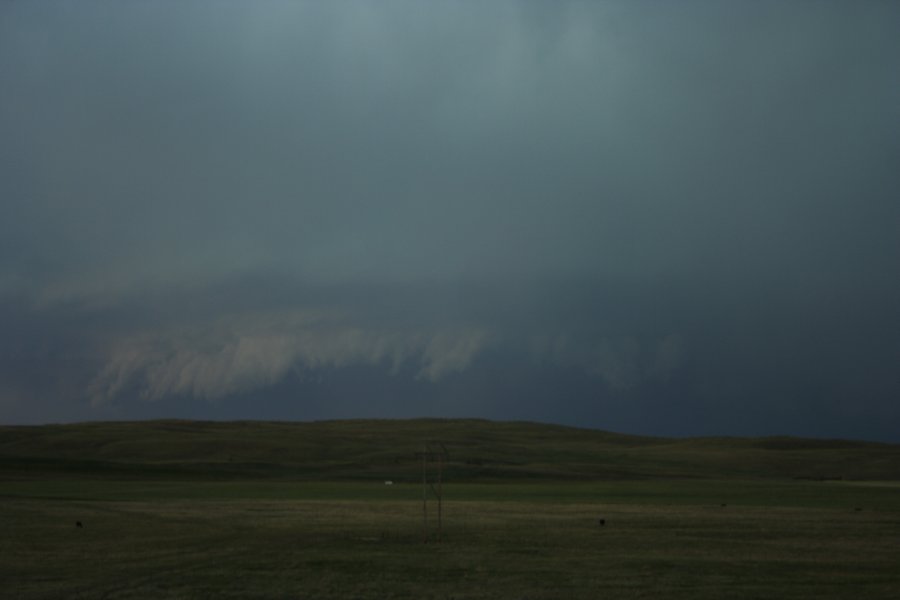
point(162, 522)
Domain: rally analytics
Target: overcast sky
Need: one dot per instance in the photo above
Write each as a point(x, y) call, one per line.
point(675, 218)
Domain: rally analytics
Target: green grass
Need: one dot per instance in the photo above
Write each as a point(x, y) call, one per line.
point(175, 509)
point(761, 493)
point(478, 450)
point(359, 540)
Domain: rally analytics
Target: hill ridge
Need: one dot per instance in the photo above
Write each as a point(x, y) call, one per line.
point(386, 448)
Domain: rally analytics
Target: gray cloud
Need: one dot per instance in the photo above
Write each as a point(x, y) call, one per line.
point(243, 353)
point(333, 140)
point(692, 202)
point(622, 363)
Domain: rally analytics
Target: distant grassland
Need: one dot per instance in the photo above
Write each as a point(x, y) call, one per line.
point(271, 539)
point(384, 449)
point(269, 510)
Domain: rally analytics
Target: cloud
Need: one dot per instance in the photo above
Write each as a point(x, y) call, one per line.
point(670, 354)
point(450, 352)
point(341, 141)
point(238, 354)
point(250, 333)
point(205, 199)
point(623, 363)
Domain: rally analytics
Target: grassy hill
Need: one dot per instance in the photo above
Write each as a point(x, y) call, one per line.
point(387, 449)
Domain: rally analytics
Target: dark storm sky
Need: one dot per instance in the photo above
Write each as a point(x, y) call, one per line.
point(655, 217)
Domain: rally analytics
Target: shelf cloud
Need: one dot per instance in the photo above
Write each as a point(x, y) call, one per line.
point(662, 219)
point(246, 353)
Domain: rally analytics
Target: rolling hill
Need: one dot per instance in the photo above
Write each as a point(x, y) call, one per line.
point(388, 449)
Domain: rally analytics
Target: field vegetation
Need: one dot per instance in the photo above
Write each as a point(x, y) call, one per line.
point(280, 510)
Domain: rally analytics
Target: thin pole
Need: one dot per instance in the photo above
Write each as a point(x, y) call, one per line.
point(440, 493)
point(424, 495)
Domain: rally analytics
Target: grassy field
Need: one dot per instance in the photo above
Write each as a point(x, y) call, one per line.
point(152, 531)
point(372, 449)
point(671, 539)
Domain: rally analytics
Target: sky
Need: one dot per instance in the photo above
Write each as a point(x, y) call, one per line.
point(665, 218)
